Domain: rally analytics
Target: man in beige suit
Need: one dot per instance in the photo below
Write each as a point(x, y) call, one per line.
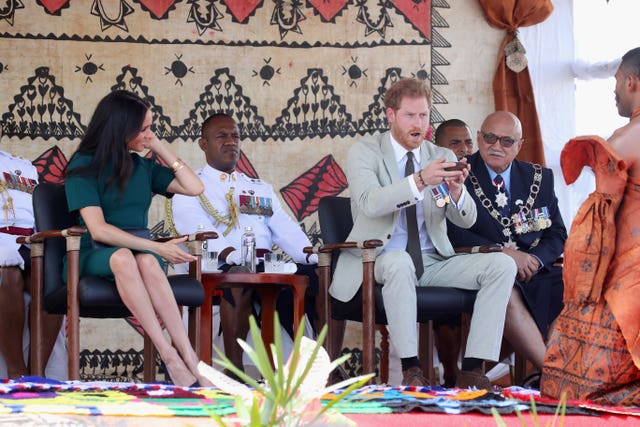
point(391, 196)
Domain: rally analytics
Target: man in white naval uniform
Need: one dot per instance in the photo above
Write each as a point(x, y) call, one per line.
point(18, 178)
point(402, 192)
point(231, 202)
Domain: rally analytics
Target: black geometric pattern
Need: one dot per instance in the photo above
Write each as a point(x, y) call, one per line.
point(223, 95)
point(41, 109)
point(313, 111)
point(113, 365)
point(129, 80)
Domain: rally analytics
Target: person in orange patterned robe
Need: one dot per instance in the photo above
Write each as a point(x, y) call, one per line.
point(593, 352)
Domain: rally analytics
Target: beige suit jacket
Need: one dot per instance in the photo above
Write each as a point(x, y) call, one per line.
point(378, 194)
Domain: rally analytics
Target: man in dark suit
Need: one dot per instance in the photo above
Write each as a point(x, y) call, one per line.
point(517, 208)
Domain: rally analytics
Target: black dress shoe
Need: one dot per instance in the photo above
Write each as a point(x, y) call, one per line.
point(532, 381)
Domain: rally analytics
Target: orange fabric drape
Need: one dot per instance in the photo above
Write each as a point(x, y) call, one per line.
point(513, 91)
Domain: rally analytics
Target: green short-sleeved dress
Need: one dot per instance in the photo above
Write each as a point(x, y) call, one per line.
point(127, 210)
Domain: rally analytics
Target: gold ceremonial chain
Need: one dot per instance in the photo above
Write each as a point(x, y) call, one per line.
point(7, 204)
point(229, 220)
point(506, 222)
point(168, 215)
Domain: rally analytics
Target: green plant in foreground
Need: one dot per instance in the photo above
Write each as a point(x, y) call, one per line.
point(558, 416)
point(290, 392)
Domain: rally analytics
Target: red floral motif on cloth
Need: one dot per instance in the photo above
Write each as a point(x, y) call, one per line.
point(593, 351)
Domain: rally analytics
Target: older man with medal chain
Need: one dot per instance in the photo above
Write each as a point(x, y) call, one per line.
point(518, 209)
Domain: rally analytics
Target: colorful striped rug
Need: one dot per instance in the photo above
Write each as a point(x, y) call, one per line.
point(32, 395)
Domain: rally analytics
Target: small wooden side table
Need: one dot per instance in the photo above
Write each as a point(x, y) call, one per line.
point(268, 286)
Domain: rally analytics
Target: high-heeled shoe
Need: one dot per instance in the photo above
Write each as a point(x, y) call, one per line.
point(165, 371)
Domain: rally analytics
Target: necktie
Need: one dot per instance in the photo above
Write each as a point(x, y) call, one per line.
point(502, 197)
point(413, 237)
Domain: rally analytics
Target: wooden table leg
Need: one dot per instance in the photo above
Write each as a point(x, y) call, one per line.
point(206, 313)
point(268, 287)
point(298, 307)
point(267, 310)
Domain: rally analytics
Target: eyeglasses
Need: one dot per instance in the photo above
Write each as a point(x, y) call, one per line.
point(492, 138)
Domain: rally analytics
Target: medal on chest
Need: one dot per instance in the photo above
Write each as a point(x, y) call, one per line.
point(501, 194)
point(441, 194)
point(255, 205)
point(501, 199)
point(526, 220)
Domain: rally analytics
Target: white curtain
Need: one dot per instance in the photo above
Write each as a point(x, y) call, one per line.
point(550, 52)
point(573, 57)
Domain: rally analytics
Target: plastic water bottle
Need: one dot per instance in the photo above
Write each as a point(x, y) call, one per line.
point(248, 249)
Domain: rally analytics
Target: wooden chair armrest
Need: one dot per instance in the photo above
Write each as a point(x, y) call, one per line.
point(41, 236)
point(194, 246)
point(365, 244)
point(484, 249)
point(194, 237)
point(310, 250)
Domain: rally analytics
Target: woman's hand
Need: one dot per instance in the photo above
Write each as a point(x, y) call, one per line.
point(153, 143)
point(173, 252)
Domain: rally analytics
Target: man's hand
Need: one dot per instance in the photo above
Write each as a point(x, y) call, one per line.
point(436, 173)
point(528, 265)
point(456, 182)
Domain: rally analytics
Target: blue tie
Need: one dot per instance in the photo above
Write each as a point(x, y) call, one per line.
point(501, 189)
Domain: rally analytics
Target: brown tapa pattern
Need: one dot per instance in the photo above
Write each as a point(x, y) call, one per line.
point(592, 353)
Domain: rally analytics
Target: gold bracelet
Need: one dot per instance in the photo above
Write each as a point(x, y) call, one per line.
point(421, 180)
point(177, 165)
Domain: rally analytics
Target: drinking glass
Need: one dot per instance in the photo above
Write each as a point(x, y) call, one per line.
point(273, 263)
point(210, 261)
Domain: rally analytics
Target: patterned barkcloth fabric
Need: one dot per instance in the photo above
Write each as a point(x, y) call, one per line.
point(593, 351)
point(33, 395)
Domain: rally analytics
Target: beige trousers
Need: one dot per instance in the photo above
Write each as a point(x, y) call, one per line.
point(492, 275)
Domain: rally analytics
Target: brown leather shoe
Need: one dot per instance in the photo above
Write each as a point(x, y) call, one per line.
point(414, 377)
point(475, 378)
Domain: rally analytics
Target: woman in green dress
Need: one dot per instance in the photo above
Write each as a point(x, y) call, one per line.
point(111, 186)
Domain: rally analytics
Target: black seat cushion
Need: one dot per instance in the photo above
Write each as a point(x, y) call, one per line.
point(433, 303)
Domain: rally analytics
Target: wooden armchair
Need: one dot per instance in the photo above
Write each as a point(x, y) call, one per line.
point(433, 302)
point(87, 296)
